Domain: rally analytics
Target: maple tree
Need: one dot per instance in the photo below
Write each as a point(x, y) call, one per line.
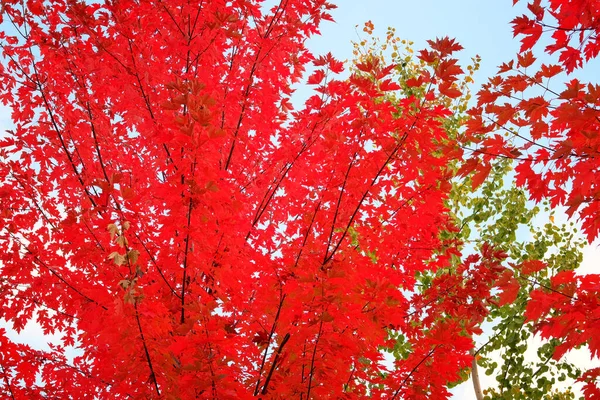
point(190, 234)
point(552, 134)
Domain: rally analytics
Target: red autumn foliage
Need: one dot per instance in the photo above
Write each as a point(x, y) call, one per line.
point(553, 134)
point(189, 234)
point(178, 223)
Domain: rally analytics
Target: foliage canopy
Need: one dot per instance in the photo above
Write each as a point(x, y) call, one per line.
point(191, 234)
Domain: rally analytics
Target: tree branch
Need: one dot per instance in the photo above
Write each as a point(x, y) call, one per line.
point(475, 376)
point(274, 365)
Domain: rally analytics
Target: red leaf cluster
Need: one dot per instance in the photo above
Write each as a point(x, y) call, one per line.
point(554, 137)
point(167, 213)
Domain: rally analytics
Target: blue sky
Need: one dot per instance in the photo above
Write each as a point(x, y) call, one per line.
point(481, 26)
